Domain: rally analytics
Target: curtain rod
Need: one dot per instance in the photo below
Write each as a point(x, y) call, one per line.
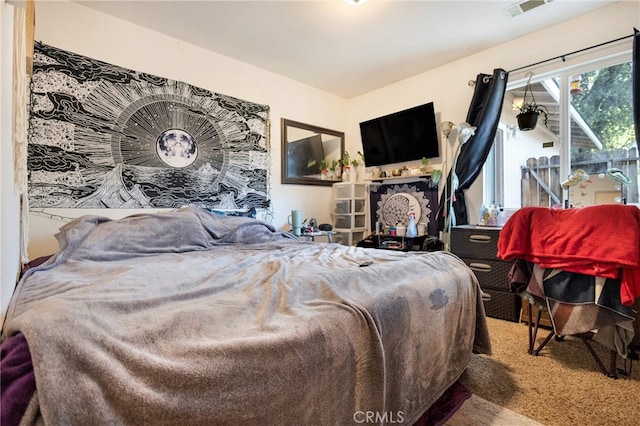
point(563, 57)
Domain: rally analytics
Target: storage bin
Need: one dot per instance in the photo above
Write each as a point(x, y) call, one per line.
point(349, 212)
point(478, 247)
point(342, 221)
point(349, 190)
point(352, 220)
point(491, 274)
point(503, 305)
point(359, 206)
point(343, 206)
point(479, 243)
point(348, 238)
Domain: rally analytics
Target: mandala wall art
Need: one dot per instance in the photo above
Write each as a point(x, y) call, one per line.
point(391, 204)
point(102, 136)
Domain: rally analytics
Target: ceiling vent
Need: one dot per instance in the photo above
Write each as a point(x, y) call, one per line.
point(525, 6)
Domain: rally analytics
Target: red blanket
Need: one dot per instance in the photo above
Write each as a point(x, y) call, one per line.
point(599, 240)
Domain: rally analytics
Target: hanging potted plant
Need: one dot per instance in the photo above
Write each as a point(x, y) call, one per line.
point(530, 110)
point(528, 116)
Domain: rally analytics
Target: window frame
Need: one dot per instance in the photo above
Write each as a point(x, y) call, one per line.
point(493, 189)
point(494, 181)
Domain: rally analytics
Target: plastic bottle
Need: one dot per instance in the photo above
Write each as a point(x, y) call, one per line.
point(412, 230)
point(493, 215)
point(502, 217)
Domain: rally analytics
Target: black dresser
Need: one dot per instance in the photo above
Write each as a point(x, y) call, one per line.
point(478, 248)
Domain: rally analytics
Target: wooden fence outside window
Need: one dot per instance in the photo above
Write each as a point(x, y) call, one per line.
point(541, 178)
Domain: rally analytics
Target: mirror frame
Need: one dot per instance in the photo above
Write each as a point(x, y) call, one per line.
point(305, 180)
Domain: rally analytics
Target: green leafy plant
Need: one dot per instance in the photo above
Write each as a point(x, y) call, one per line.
point(347, 161)
point(324, 164)
point(530, 110)
point(436, 175)
point(534, 108)
point(425, 168)
point(344, 161)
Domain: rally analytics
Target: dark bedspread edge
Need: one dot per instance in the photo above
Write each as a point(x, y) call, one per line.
point(17, 382)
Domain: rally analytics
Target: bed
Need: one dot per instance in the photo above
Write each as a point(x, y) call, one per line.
point(197, 318)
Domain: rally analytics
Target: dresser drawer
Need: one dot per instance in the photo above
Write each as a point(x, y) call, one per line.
point(491, 274)
point(503, 305)
point(475, 243)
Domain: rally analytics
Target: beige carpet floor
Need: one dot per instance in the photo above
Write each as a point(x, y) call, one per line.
point(560, 386)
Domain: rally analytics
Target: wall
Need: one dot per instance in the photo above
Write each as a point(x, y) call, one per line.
point(448, 88)
point(9, 205)
point(87, 32)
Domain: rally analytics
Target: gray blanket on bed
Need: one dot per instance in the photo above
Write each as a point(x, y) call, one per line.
point(192, 318)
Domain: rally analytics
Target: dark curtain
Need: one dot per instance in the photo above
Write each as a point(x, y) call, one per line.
point(635, 66)
point(484, 113)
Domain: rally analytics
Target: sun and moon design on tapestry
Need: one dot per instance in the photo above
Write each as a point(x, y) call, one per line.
point(102, 136)
point(391, 204)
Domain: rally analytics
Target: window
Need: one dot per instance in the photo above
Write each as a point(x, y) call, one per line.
point(578, 150)
point(494, 182)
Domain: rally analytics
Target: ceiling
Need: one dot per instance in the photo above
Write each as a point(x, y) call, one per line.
point(340, 48)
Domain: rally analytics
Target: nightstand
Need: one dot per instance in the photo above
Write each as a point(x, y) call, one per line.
point(478, 247)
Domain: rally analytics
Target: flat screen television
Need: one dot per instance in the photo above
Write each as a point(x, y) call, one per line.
point(402, 136)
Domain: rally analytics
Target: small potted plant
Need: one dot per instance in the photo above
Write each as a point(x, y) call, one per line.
point(349, 174)
point(335, 170)
point(345, 162)
point(528, 116)
point(436, 175)
point(530, 110)
point(324, 169)
point(425, 168)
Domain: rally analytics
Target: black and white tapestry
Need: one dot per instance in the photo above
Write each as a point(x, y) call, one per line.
point(391, 204)
point(102, 136)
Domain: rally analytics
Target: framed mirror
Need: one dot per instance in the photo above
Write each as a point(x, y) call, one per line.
point(310, 154)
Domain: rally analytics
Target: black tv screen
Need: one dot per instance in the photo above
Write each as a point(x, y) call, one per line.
point(402, 136)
